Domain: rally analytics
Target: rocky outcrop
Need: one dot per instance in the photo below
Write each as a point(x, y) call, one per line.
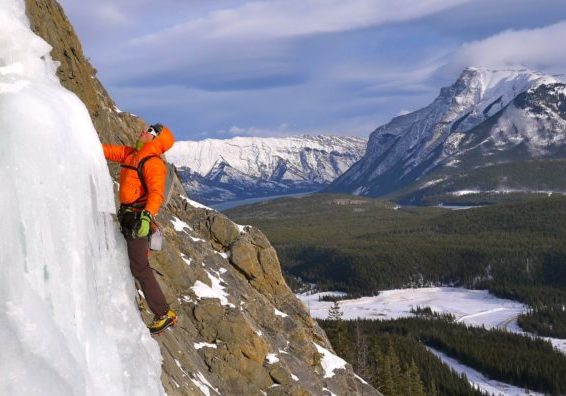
point(258, 337)
point(241, 330)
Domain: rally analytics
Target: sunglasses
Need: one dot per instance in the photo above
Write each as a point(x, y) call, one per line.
point(151, 130)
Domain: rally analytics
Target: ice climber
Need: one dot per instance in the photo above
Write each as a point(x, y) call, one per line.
point(142, 183)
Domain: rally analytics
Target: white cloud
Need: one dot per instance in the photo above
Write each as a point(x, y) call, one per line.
point(257, 33)
point(540, 49)
point(287, 18)
point(110, 13)
point(281, 130)
point(257, 64)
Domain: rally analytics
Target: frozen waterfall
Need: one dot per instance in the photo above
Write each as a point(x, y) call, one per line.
point(68, 321)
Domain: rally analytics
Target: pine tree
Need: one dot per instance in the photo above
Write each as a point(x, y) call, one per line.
point(386, 382)
point(361, 352)
point(390, 376)
point(339, 332)
point(404, 384)
point(377, 364)
point(335, 312)
point(433, 391)
point(416, 387)
point(395, 363)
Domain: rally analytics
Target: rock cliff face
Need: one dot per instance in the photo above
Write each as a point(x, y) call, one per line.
point(241, 330)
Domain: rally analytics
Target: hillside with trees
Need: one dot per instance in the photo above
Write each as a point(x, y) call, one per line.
point(392, 355)
point(361, 246)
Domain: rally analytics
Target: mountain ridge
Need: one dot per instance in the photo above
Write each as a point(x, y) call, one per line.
point(410, 146)
point(215, 170)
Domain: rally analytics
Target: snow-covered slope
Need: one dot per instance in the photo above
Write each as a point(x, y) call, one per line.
point(410, 146)
point(69, 322)
point(536, 117)
point(243, 167)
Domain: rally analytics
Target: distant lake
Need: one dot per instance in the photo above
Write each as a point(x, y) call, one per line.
point(232, 204)
point(459, 207)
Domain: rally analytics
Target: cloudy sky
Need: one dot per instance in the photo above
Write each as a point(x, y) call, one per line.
point(224, 68)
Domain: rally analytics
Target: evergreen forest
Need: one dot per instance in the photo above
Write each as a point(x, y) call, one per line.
point(393, 356)
point(361, 245)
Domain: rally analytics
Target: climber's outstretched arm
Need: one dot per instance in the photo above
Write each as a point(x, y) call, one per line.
point(116, 153)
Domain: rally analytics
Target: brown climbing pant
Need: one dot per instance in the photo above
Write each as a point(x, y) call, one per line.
point(139, 265)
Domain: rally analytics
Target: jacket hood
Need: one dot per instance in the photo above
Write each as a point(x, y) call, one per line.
point(160, 144)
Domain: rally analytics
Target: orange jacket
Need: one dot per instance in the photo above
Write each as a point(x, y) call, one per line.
point(154, 171)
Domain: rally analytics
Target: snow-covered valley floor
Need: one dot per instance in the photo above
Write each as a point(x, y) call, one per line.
point(472, 307)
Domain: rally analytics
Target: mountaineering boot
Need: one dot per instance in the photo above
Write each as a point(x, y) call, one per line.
point(160, 323)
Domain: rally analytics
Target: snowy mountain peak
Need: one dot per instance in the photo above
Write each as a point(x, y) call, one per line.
point(254, 155)
point(481, 92)
point(411, 145)
point(475, 96)
point(216, 170)
point(510, 73)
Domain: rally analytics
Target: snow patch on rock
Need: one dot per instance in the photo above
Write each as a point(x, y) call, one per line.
point(329, 361)
point(200, 345)
point(202, 290)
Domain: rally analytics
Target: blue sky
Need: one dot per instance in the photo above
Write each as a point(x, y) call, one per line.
point(224, 68)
